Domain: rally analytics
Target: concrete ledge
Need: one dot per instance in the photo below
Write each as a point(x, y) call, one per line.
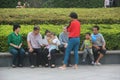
point(112, 57)
point(80, 52)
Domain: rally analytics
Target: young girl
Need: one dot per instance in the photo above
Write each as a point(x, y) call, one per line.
point(53, 44)
point(87, 44)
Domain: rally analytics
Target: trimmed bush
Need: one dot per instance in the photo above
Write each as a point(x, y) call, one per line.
point(59, 15)
point(110, 32)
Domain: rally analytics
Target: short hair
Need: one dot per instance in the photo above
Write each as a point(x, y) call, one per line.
point(73, 15)
point(52, 33)
point(47, 31)
point(36, 28)
point(88, 33)
point(97, 27)
point(16, 26)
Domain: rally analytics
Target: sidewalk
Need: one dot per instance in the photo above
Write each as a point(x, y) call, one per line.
point(84, 72)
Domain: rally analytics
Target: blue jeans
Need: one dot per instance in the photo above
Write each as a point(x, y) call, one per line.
point(18, 55)
point(73, 44)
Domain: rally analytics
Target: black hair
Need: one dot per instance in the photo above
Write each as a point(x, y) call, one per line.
point(52, 33)
point(73, 15)
point(97, 27)
point(47, 31)
point(36, 28)
point(15, 26)
point(88, 33)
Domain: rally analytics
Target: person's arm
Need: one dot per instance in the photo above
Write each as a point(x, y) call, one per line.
point(90, 44)
point(11, 44)
point(40, 40)
point(29, 44)
point(103, 41)
point(83, 44)
point(21, 42)
point(60, 39)
point(70, 27)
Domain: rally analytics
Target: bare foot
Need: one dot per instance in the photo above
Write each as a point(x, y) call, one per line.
point(75, 66)
point(63, 67)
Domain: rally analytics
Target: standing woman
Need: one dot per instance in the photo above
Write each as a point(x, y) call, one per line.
point(74, 40)
point(15, 46)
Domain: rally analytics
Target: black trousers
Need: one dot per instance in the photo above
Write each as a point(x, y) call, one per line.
point(45, 53)
point(35, 57)
point(53, 56)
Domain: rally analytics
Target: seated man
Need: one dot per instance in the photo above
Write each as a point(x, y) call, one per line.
point(63, 37)
point(34, 40)
point(99, 44)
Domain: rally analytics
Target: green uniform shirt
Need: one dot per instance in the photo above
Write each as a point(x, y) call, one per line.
point(14, 39)
point(86, 44)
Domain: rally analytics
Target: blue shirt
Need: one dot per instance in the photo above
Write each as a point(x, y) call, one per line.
point(63, 38)
point(98, 39)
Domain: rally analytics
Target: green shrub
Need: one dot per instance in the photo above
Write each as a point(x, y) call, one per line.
point(59, 15)
point(110, 32)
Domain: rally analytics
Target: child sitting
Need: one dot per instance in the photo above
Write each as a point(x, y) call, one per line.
point(87, 44)
point(53, 44)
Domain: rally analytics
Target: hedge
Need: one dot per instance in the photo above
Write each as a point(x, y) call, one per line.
point(59, 15)
point(110, 32)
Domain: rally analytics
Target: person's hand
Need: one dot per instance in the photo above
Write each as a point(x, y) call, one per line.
point(103, 48)
point(19, 46)
point(80, 49)
point(16, 47)
point(65, 45)
point(31, 50)
point(97, 47)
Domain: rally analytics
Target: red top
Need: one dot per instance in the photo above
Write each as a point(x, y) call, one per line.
point(74, 29)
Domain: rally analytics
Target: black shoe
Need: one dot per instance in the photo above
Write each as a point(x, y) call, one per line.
point(20, 65)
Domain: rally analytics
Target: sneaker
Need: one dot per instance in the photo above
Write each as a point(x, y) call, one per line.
point(83, 62)
point(46, 65)
point(13, 66)
point(53, 66)
point(92, 63)
point(32, 66)
point(97, 64)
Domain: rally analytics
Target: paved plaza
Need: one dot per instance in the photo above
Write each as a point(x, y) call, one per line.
point(84, 72)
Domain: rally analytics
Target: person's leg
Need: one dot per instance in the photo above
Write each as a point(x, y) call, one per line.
point(38, 56)
point(90, 53)
point(69, 61)
point(102, 53)
point(45, 58)
point(75, 48)
point(14, 52)
point(53, 58)
point(68, 50)
point(21, 55)
point(100, 56)
point(95, 53)
point(32, 58)
point(84, 55)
